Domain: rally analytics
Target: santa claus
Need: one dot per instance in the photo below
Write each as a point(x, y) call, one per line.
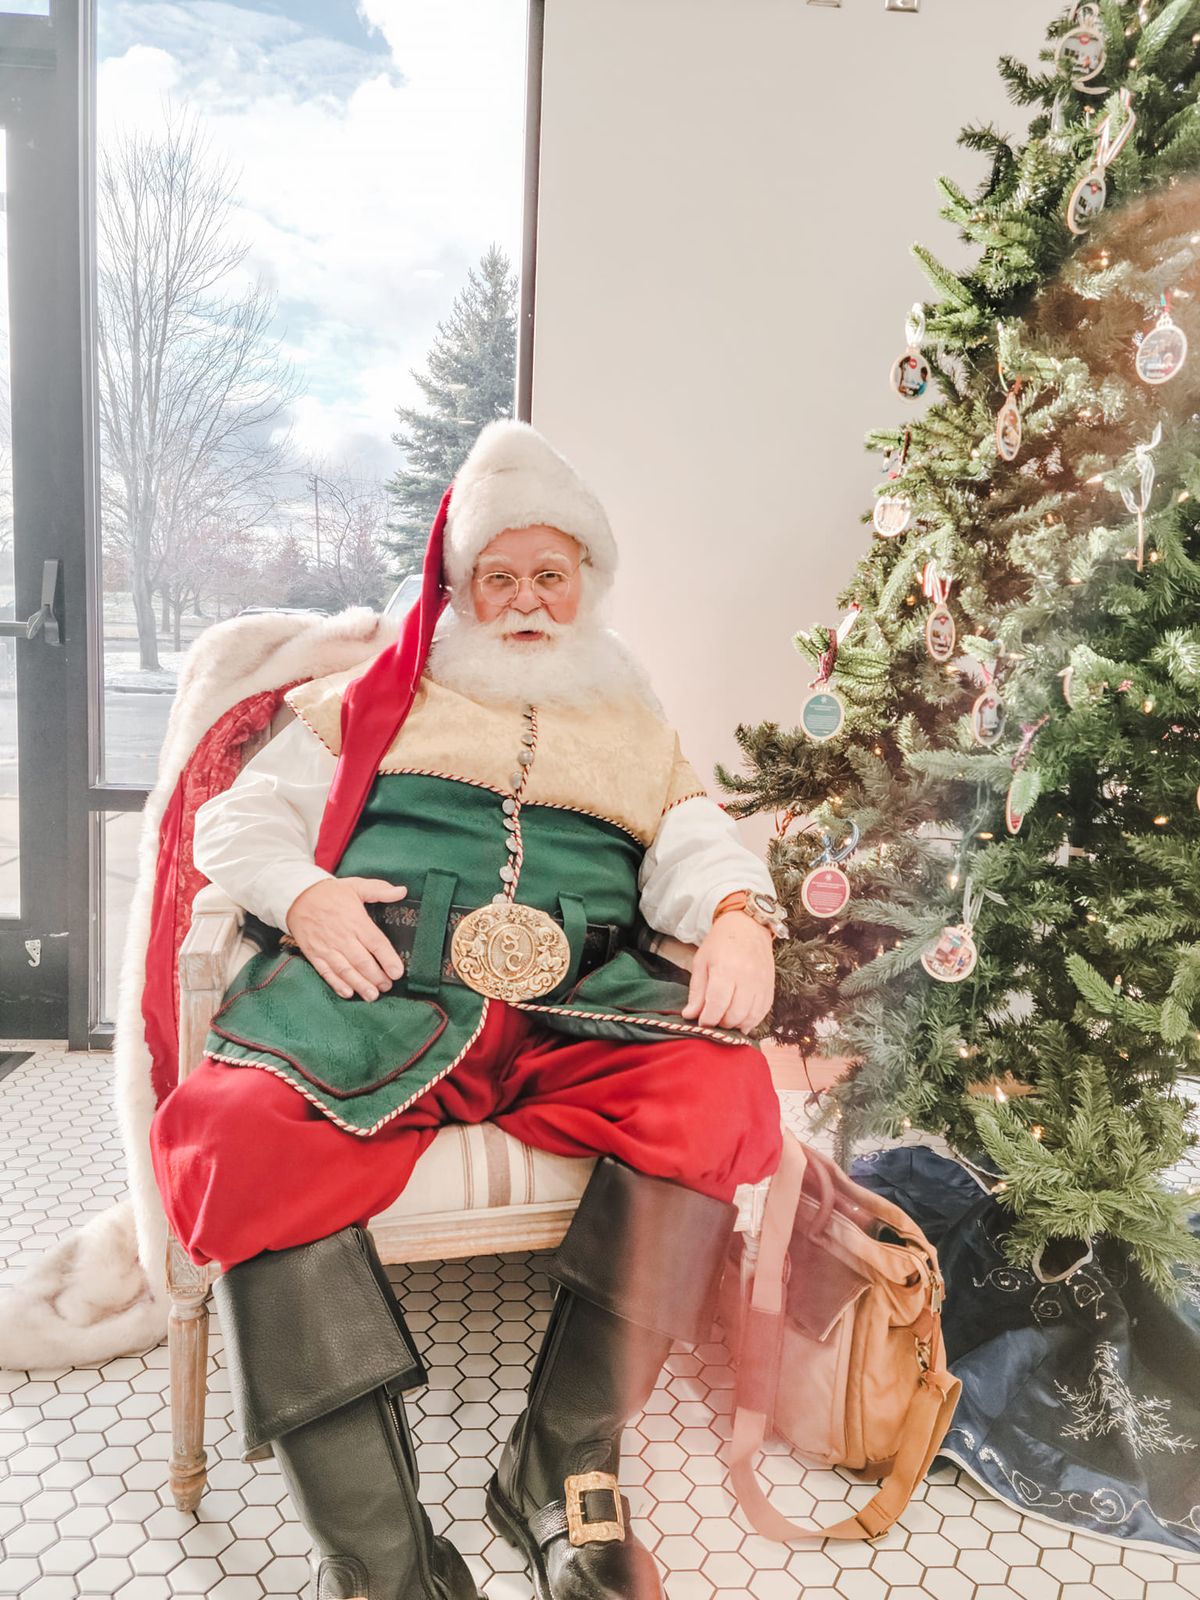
point(464, 849)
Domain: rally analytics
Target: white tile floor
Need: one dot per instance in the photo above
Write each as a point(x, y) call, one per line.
point(84, 1508)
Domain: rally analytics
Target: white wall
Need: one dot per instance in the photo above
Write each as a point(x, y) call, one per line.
point(729, 190)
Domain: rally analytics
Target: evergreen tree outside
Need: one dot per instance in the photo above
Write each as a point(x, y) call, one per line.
point(470, 381)
point(1054, 1064)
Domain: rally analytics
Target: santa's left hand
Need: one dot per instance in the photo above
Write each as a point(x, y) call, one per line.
point(733, 975)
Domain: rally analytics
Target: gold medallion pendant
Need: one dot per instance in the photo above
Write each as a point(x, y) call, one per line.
point(510, 951)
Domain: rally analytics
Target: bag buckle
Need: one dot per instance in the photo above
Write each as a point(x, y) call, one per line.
point(582, 1529)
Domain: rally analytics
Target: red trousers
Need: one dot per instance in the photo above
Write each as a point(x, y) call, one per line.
point(245, 1163)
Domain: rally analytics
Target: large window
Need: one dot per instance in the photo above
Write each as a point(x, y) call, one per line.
point(309, 230)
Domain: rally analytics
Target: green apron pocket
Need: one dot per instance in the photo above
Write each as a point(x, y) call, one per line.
point(281, 1005)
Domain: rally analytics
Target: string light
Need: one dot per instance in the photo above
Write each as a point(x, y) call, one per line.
point(1037, 1130)
point(1161, 821)
point(1001, 1097)
point(1148, 703)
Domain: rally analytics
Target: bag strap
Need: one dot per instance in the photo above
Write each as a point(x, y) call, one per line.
point(761, 1345)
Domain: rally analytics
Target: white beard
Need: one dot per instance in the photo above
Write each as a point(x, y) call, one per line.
point(581, 664)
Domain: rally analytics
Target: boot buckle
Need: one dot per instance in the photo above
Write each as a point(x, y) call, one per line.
point(583, 1529)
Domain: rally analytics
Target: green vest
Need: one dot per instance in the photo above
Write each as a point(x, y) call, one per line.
point(363, 1061)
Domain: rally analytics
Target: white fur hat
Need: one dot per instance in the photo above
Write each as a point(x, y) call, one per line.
point(513, 478)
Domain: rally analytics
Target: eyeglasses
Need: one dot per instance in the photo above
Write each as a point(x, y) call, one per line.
point(550, 585)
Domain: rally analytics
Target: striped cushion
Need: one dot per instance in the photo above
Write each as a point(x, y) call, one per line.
point(478, 1167)
point(482, 1168)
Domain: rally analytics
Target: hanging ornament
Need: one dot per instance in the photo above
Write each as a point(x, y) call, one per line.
point(893, 512)
point(1008, 426)
point(953, 955)
point(1137, 505)
point(1091, 192)
point(1025, 786)
point(941, 635)
point(910, 372)
point(825, 892)
point(1162, 351)
point(823, 710)
point(987, 714)
point(1082, 49)
point(1013, 818)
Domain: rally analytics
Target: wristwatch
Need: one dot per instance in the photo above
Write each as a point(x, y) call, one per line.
point(764, 908)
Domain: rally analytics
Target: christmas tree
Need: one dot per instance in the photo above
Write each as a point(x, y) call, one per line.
point(1010, 721)
point(470, 381)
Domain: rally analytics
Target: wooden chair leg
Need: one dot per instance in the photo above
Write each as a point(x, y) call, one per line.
point(187, 1344)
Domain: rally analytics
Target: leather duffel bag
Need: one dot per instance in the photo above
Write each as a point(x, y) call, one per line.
point(835, 1331)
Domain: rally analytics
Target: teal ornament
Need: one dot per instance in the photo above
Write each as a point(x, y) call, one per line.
point(822, 714)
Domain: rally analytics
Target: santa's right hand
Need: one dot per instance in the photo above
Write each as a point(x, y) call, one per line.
point(335, 932)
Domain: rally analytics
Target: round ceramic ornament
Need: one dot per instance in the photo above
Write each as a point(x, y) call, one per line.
point(822, 714)
point(825, 892)
point(892, 515)
point(911, 372)
point(1162, 351)
point(941, 635)
point(987, 717)
point(952, 957)
point(1082, 49)
point(1087, 201)
point(1090, 194)
point(1008, 427)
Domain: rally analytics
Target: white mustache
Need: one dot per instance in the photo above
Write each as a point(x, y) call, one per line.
point(514, 622)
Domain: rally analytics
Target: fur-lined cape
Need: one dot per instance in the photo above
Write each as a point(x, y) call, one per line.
point(101, 1291)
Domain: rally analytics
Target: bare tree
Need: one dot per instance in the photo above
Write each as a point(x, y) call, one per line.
point(348, 516)
point(190, 382)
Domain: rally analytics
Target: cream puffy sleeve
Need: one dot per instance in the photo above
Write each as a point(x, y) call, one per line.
point(256, 839)
point(694, 861)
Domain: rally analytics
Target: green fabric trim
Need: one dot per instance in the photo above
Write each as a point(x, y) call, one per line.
point(425, 959)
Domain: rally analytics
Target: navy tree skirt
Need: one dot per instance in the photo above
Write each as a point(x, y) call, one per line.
point(1081, 1399)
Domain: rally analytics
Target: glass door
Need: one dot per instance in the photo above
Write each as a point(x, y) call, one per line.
point(41, 509)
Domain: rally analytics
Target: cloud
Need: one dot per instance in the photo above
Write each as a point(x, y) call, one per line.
point(372, 170)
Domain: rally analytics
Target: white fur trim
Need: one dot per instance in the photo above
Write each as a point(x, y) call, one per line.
point(85, 1300)
point(232, 659)
point(514, 478)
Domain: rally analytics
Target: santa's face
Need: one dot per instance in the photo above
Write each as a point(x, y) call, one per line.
point(545, 564)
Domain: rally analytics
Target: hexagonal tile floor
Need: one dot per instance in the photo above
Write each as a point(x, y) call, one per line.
point(84, 1508)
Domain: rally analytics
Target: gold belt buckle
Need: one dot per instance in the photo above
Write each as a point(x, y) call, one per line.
point(510, 951)
point(579, 1529)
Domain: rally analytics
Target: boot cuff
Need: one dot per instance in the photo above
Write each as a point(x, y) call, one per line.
point(648, 1250)
point(308, 1330)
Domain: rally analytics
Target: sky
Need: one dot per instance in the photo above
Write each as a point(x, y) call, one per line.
point(377, 149)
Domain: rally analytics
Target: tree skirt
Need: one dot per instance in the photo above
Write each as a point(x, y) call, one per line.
point(1081, 1398)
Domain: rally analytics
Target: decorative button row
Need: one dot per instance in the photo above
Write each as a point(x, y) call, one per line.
point(511, 805)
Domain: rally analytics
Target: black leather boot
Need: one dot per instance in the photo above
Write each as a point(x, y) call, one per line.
point(640, 1266)
point(318, 1357)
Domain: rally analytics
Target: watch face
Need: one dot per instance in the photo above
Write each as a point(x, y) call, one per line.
point(767, 903)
